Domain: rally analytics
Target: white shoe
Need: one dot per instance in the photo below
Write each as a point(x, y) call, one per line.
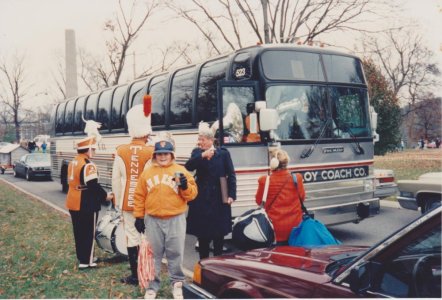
point(83, 266)
point(150, 294)
point(177, 290)
point(92, 265)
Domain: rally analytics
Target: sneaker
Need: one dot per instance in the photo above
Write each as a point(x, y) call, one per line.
point(83, 266)
point(177, 290)
point(92, 265)
point(150, 294)
point(129, 280)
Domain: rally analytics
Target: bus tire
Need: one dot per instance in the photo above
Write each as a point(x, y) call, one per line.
point(2, 170)
point(64, 178)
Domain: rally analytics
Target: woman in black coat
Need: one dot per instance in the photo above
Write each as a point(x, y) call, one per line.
point(209, 219)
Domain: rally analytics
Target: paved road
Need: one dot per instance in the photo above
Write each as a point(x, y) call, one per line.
point(367, 232)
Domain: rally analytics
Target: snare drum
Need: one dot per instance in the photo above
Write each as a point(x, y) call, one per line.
point(110, 234)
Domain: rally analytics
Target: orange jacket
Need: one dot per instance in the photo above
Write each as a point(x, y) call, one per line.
point(158, 195)
point(283, 199)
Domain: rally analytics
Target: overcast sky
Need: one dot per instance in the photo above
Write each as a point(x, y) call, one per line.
point(36, 28)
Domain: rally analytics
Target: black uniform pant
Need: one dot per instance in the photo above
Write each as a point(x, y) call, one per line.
point(204, 246)
point(84, 233)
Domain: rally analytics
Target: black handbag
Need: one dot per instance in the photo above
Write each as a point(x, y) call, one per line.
point(253, 229)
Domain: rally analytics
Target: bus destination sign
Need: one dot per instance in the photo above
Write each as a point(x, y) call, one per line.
point(335, 174)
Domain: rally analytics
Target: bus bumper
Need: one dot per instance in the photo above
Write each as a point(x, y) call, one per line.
point(348, 212)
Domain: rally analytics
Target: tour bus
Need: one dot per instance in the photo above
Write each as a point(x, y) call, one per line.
point(310, 101)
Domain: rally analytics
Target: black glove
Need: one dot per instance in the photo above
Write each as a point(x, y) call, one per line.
point(139, 225)
point(183, 182)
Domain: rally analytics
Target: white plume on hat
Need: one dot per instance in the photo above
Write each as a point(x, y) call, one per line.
point(91, 128)
point(205, 130)
point(137, 123)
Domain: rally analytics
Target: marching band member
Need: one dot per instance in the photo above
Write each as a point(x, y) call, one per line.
point(161, 197)
point(84, 200)
point(130, 161)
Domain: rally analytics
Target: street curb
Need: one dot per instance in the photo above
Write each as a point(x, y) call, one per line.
point(392, 204)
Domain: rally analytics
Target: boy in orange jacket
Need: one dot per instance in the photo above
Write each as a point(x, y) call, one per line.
point(160, 205)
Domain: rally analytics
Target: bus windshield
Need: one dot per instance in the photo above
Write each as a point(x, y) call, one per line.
point(303, 111)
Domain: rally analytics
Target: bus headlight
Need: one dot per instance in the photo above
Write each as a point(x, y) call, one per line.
point(368, 185)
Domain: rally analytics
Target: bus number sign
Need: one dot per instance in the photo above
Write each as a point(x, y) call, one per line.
point(335, 174)
point(240, 72)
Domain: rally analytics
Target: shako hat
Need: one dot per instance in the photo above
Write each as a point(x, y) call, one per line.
point(89, 142)
point(138, 118)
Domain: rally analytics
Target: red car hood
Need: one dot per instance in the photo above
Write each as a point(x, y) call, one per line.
point(282, 271)
point(308, 259)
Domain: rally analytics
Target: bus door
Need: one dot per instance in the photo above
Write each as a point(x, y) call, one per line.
point(236, 101)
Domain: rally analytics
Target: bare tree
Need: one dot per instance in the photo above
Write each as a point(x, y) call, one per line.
point(405, 60)
point(428, 117)
point(15, 89)
point(227, 23)
point(124, 30)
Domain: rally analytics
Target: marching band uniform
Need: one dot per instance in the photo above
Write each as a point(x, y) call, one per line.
point(84, 200)
point(130, 161)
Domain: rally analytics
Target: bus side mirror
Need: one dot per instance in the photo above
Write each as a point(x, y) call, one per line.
point(374, 124)
point(268, 119)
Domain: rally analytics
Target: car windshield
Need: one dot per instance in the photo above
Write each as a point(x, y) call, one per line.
point(38, 158)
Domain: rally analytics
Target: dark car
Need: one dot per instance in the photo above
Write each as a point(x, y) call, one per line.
point(406, 264)
point(33, 165)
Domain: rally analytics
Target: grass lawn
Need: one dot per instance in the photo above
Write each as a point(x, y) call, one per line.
point(411, 163)
point(38, 256)
point(37, 246)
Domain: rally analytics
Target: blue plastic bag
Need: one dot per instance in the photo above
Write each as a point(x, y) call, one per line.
point(311, 233)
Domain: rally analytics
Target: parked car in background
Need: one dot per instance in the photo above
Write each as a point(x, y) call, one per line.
point(407, 264)
point(33, 165)
point(385, 186)
point(424, 193)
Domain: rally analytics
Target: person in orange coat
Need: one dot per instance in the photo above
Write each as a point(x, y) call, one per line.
point(160, 205)
point(282, 204)
point(130, 161)
point(84, 200)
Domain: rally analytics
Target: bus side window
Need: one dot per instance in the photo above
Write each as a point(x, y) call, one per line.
point(69, 117)
point(181, 97)
point(79, 111)
point(136, 93)
point(117, 116)
point(60, 118)
point(157, 90)
point(104, 108)
point(91, 107)
point(206, 105)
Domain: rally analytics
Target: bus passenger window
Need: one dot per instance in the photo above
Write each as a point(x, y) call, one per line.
point(91, 107)
point(69, 116)
point(104, 107)
point(211, 73)
point(181, 97)
point(79, 111)
point(59, 125)
point(137, 92)
point(158, 92)
point(117, 116)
